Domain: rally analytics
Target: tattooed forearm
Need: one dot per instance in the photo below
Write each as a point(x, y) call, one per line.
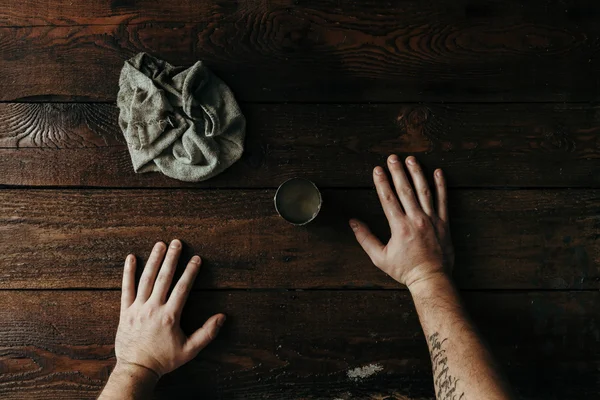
point(444, 382)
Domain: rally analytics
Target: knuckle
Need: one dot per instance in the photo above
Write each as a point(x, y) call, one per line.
point(420, 221)
point(388, 197)
point(425, 192)
point(407, 190)
point(168, 319)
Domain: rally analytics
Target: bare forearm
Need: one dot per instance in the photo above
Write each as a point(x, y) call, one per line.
point(129, 382)
point(463, 367)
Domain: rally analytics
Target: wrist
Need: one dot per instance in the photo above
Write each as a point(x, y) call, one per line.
point(135, 372)
point(129, 381)
point(431, 284)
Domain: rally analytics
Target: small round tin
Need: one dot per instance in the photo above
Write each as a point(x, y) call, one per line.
point(298, 201)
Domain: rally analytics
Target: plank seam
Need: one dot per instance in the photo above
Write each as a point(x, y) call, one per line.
point(262, 188)
point(403, 102)
point(289, 290)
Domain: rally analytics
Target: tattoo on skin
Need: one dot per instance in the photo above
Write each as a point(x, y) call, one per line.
point(445, 384)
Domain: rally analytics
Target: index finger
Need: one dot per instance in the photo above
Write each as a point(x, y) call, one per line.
point(403, 186)
point(183, 287)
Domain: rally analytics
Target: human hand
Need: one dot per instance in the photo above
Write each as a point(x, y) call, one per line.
point(420, 246)
point(149, 336)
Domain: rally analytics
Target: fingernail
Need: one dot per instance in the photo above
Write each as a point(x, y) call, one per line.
point(438, 173)
point(410, 160)
point(393, 159)
point(175, 244)
point(195, 260)
point(131, 259)
point(378, 170)
point(353, 225)
point(221, 320)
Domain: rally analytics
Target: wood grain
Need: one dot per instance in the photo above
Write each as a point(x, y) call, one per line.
point(374, 16)
point(478, 145)
point(288, 50)
point(59, 125)
point(280, 345)
point(79, 239)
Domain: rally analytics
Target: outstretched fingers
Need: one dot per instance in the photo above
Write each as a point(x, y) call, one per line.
point(403, 187)
point(167, 270)
point(387, 197)
point(421, 185)
point(150, 271)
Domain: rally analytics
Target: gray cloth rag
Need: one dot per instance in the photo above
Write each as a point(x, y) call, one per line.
point(184, 123)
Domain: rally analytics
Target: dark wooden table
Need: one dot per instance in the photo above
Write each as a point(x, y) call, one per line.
point(498, 93)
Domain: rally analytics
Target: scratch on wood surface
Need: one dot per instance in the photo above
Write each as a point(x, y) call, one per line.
point(361, 373)
point(53, 325)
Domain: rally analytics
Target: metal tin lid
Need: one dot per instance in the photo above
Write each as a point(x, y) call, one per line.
point(298, 201)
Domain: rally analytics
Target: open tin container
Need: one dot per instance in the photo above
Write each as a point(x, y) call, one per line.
point(298, 201)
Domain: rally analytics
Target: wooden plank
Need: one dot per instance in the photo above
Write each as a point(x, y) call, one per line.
point(79, 239)
point(279, 345)
point(478, 145)
point(374, 16)
point(288, 50)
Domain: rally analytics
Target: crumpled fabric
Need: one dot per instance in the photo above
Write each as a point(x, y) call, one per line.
point(182, 122)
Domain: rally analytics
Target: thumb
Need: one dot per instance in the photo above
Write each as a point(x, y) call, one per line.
point(370, 244)
point(203, 336)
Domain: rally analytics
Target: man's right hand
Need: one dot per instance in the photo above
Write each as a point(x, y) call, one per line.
point(150, 342)
point(420, 247)
point(149, 335)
